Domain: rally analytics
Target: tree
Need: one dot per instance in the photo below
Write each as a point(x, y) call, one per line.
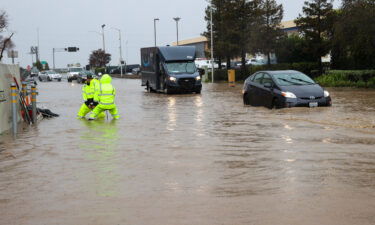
point(38, 65)
point(269, 27)
point(353, 38)
point(247, 24)
point(233, 23)
point(315, 25)
point(99, 58)
point(292, 49)
point(5, 42)
point(223, 32)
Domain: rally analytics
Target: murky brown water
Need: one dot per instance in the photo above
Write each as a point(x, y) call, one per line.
point(192, 159)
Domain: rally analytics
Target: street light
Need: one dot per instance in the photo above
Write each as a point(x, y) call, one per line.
point(212, 47)
point(103, 37)
point(177, 19)
point(156, 19)
point(119, 37)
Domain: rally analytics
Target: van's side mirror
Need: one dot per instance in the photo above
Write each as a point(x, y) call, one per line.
point(201, 71)
point(268, 85)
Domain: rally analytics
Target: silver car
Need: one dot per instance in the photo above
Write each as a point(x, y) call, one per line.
point(49, 75)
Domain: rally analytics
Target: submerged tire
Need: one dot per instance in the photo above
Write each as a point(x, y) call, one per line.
point(246, 100)
point(275, 104)
point(148, 88)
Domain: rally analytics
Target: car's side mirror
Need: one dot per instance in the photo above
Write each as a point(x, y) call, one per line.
point(268, 85)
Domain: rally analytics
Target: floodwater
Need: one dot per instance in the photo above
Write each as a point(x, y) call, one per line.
point(192, 159)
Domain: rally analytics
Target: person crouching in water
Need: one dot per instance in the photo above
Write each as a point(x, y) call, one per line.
point(88, 92)
point(106, 99)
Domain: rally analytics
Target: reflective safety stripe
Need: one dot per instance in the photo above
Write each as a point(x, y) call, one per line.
point(89, 93)
point(106, 103)
point(106, 95)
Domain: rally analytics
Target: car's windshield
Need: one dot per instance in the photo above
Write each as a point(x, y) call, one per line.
point(75, 69)
point(181, 67)
point(288, 79)
point(50, 72)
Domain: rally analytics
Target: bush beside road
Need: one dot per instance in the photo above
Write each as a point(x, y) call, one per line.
point(348, 78)
point(308, 68)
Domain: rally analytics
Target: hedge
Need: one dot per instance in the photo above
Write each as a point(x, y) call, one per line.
point(348, 78)
point(308, 68)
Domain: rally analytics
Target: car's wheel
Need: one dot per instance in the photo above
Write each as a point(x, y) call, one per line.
point(275, 103)
point(148, 88)
point(49, 79)
point(246, 100)
point(167, 89)
point(59, 80)
point(198, 92)
point(69, 80)
point(40, 79)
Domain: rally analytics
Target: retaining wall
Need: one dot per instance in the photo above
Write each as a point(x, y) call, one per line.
point(7, 72)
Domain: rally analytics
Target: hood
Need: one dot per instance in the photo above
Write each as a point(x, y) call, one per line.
point(305, 91)
point(106, 79)
point(184, 75)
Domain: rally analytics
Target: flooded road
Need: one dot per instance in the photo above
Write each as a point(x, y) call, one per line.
point(192, 159)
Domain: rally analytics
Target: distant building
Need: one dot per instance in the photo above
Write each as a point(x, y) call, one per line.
point(289, 27)
point(200, 43)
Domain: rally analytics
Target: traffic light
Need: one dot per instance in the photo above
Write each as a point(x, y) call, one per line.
point(72, 49)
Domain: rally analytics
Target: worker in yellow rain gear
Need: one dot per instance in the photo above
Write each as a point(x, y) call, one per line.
point(106, 98)
point(88, 92)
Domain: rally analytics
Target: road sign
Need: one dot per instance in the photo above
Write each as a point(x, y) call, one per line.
point(43, 62)
point(12, 54)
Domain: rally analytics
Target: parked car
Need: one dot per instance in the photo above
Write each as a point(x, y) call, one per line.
point(83, 76)
point(255, 62)
point(34, 72)
point(136, 71)
point(49, 75)
point(73, 73)
point(288, 88)
point(203, 63)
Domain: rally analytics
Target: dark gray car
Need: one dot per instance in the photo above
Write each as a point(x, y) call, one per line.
point(278, 89)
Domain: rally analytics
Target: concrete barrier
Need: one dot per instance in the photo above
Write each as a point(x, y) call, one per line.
point(7, 73)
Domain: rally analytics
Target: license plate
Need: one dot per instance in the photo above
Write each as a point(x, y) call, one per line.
point(313, 104)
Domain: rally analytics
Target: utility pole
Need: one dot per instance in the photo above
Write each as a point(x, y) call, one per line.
point(53, 57)
point(156, 19)
point(37, 50)
point(103, 37)
point(212, 47)
point(177, 19)
point(120, 47)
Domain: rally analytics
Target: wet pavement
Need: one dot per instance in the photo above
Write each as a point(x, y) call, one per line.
point(192, 159)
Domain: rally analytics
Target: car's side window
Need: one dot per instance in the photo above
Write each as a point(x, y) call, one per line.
point(267, 79)
point(258, 78)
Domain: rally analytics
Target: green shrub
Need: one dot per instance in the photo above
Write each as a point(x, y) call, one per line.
point(308, 68)
point(348, 78)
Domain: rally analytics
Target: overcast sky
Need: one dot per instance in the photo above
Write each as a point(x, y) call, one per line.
point(64, 23)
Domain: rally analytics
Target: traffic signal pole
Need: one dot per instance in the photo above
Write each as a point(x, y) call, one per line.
point(69, 49)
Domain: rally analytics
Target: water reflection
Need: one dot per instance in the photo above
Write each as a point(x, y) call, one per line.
point(172, 114)
point(99, 144)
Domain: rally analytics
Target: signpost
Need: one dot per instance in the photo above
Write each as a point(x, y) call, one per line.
point(12, 54)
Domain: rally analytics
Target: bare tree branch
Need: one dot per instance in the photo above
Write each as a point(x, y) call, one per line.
point(7, 43)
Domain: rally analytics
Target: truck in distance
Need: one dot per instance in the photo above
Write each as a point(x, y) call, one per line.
point(170, 70)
